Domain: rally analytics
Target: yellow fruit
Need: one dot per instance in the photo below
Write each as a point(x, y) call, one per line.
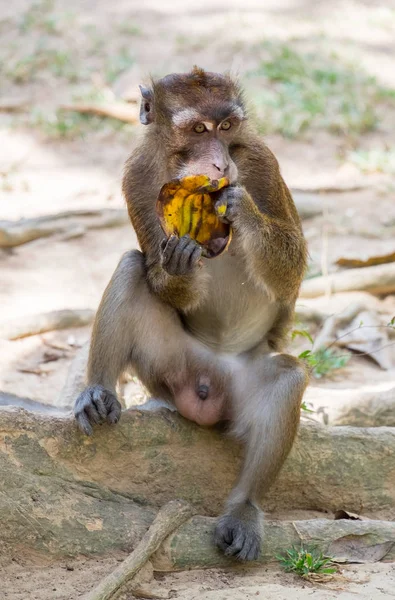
point(187, 206)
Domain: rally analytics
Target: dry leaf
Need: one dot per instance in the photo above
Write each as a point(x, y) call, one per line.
point(186, 206)
point(319, 577)
point(367, 335)
point(52, 356)
point(355, 263)
point(344, 514)
point(358, 549)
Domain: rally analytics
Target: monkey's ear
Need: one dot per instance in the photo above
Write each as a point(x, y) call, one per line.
point(146, 106)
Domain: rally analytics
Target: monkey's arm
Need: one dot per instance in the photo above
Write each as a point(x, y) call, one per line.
point(274, 248)
point(173, 269)
point(183, 292)
point(266, 223)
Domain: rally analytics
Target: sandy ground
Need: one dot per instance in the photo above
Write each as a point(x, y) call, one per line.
point(69, 580)
point(41, 175)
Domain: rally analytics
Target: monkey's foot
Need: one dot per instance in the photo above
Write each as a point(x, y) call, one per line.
point(239, 533)
point(95, 405)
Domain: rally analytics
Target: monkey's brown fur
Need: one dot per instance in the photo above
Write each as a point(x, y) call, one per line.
point(207, 336)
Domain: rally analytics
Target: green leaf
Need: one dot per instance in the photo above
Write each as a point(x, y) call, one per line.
point(303, 333)
point(328, 570)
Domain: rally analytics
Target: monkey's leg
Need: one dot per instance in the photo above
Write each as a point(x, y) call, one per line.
point(133, 327)
point(266, 403)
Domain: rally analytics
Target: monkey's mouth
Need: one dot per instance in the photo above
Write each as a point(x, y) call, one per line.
point(216, 246)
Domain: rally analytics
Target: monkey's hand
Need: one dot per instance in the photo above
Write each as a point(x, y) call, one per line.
point(95, 405)
point(232, 202)
point(239, 532)
point(180, 256)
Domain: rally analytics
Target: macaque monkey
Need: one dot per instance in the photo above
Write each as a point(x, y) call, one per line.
point(207, 334)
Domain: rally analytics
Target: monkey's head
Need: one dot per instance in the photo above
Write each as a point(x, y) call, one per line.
point(197, 118)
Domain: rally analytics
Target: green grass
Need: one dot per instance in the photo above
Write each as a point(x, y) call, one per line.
point(117, 64)
point(301, 90)
point(63, 124)
point(304, 562)
point(36, 17)
point(129, 29)
point(33, 66)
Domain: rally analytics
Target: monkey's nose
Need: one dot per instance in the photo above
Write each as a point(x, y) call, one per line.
point(222, 168)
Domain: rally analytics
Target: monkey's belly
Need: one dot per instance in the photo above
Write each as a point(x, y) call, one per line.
point(236, 315)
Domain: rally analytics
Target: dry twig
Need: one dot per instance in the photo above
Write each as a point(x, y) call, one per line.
point(168, 519)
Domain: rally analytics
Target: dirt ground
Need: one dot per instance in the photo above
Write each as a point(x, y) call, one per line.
point(69, 580)
point(48, 47)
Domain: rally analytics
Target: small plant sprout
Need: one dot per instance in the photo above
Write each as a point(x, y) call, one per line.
point(324, 361)
point(321, 361)
point(304, 407)
point(305, 562)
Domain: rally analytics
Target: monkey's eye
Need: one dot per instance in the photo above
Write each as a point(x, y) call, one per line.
point(200, 128)
point(226, 125)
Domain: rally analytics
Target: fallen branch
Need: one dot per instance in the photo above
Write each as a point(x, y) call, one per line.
point(64, 494)
point(169, 518)
point(353, 407)
point(377, 280)
point(191, 546)
point(329, 188)
point(355, 263)
point(16, 233)
point(117, 110)
point(12, 105)
point(51, 321)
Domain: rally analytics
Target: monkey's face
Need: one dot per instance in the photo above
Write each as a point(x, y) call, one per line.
point(201, 144)
point(198, 118)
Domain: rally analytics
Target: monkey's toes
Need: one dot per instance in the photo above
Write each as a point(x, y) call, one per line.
point(238, 538)
point(94, 405)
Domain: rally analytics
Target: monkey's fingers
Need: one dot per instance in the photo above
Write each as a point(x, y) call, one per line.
point(189, 254)
point(94, 405)
point(223, 538)
point(86, 412)
point(167, 248)
point(251, 548)
point(114, 409)
point(84, 424)
point(221, 206)
point(98, 395)
point(194, 259)
point(237, 538)
point(179, 259)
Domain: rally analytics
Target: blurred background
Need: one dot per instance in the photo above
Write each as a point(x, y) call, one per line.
point(320, 79)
